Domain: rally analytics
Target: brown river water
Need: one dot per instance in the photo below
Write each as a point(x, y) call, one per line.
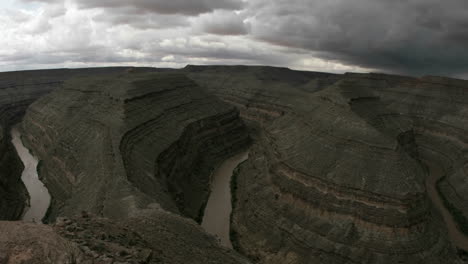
point(456, 236)
point(216, 219)
point(39, 195)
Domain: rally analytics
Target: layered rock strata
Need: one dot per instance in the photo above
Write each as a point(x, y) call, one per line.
point(337, 172)
point(17, 91)
point(137, 148)
point(137, 140)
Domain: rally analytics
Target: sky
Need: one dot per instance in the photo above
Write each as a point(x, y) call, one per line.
point(413, 37)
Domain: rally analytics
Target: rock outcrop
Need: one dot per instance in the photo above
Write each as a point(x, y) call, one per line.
point(29, 243)
point(152, 237)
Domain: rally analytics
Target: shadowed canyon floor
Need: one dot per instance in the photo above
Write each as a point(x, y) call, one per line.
point(335, 172)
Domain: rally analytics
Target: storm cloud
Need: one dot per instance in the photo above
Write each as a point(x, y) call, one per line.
point(186, 7)
point(414, 36)
point(417, 37)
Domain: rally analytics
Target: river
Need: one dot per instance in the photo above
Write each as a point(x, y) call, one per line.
point(456, 236)
point(216, 219)
point(39, 195)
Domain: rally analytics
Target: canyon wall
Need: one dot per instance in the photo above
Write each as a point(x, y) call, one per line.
point(140, 149)
point(137, 139)
point(338, 168)
point(17, 91)
point(337, 171)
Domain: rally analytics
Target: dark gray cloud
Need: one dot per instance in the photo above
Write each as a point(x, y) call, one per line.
point(222, 23)
point(146, 14)
point(409, 36)
point(185, 7)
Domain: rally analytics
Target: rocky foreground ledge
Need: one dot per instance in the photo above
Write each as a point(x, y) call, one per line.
point(89, 239)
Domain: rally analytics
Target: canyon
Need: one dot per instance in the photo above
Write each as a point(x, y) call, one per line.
point(341, 168)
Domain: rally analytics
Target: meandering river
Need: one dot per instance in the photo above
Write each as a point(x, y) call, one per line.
point(456, 236)
point(216, 219)
point(38, 193)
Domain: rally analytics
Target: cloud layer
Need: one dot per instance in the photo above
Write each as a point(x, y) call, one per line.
point(402, 36)
point(414, 36)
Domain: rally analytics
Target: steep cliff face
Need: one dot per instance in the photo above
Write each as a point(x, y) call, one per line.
point(175, 135)
point(336, 173)
point(13, 194)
